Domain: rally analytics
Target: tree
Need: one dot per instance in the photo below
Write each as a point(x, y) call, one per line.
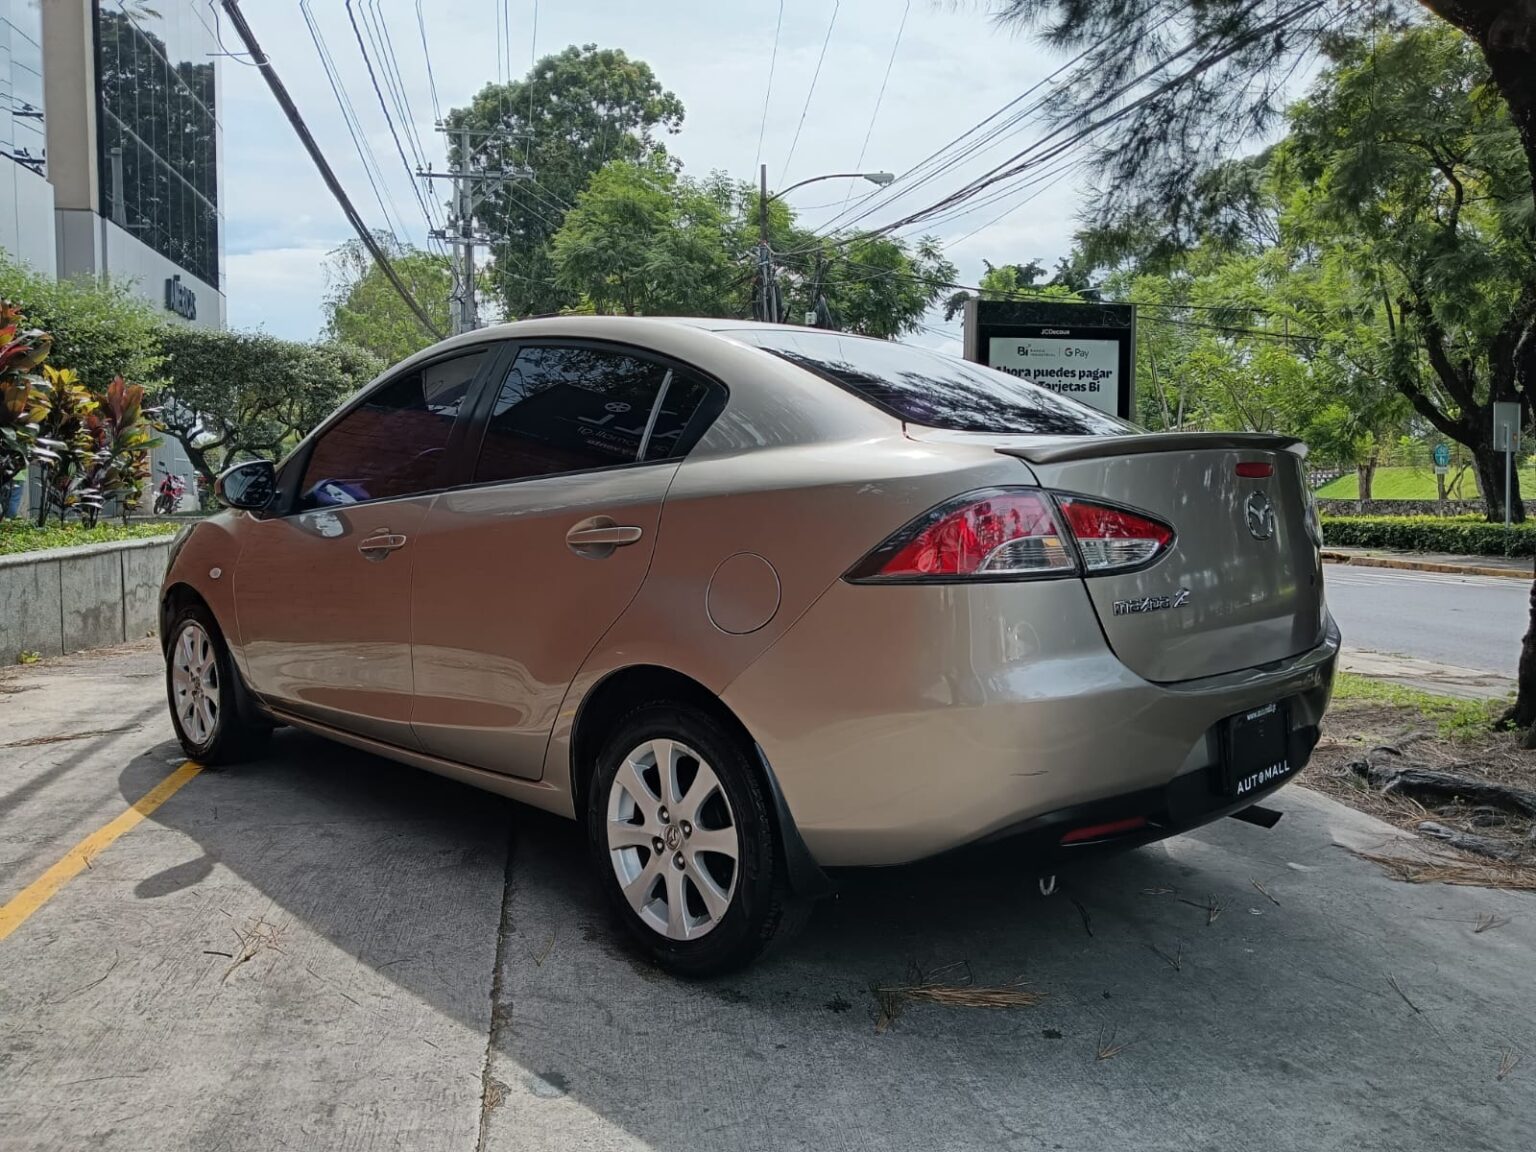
point(233, 395)
point(1410, 192)
point(100, 329)
point(644, 239)
point(363, 309)
point(574, 112)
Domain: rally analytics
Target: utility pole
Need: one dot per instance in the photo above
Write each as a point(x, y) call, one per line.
point(767, 289)
point(470, 190)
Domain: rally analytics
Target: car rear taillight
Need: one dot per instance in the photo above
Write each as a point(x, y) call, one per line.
point(1015, 534)
point(998, 534)
point(1112, 539)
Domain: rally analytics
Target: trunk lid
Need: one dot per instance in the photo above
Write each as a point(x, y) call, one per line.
point(1240, 586)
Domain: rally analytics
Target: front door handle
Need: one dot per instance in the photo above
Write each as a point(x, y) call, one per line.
point(597, 537)
point(381, 544)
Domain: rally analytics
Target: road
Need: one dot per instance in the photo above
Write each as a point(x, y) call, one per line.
point(321, 949)
point(1469, 621)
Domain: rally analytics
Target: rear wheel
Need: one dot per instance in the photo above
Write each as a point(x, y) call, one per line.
point(683, 844)
point(203, 692)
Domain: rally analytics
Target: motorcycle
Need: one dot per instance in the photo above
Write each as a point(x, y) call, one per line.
point(168, 495)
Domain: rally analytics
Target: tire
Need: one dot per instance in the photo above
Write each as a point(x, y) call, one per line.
point(729, 911)
point(204, 692)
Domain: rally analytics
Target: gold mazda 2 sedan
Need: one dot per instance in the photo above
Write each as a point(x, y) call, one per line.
point(750, 601)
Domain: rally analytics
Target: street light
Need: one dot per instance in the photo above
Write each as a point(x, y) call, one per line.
point(766, 306)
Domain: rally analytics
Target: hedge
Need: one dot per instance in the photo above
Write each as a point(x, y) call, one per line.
point(1461, 534)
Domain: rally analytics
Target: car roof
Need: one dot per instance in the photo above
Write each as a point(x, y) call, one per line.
point(639, 329)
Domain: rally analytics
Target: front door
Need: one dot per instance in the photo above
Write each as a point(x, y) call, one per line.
point(523, 570)
point(323, 593)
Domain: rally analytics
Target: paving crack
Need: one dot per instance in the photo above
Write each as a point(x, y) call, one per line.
point(493, 1091)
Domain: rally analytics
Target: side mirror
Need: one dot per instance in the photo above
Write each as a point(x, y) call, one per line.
point(249, 486)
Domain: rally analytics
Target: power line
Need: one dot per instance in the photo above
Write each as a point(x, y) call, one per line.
point(879, 97)
point(811, 91)
point(237, 18)
point(349, 117)
point(426, 56)
point(1024, 160)
point(388, 119)
point(773, 60)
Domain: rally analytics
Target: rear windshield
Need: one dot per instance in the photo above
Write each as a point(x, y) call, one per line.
point(929, 388)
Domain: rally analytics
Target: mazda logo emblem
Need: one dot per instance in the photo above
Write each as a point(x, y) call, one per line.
point(1260, 514)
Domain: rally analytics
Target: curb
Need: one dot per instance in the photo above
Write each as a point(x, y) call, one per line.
point(1421, 566)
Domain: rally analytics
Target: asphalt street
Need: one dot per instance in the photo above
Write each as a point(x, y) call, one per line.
point(1468, 621)
point(324, 950)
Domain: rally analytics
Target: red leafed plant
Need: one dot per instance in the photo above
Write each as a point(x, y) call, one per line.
point(22, 402)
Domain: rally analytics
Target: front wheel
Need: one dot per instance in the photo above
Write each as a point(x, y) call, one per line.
point(682, 840)
point(202, 689)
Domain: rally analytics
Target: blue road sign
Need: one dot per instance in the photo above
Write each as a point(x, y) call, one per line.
point(1442, 456)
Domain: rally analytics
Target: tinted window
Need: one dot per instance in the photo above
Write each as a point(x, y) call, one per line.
point(685, 394)
point(929, 388)
point(392, 444)
point(568, 410)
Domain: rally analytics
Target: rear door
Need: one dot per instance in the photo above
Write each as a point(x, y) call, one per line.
point(1242, 583)
point(523, 570)
point(323, 592)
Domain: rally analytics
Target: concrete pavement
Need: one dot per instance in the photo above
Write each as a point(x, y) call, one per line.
point(323, 950)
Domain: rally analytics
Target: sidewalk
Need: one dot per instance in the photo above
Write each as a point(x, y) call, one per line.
point(1515, 567)
point(1426, 675)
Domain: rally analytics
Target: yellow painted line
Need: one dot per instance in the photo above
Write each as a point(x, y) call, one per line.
point(78, 858)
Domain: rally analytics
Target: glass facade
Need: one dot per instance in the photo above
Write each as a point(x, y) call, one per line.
point(21, 82)
point(158, 129)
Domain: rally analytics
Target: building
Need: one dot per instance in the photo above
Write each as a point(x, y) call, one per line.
point(113, 150)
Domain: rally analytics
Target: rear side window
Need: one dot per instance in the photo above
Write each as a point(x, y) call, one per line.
point(928, 388)
point(574, 409)
point(393, 443)
point(675, 424)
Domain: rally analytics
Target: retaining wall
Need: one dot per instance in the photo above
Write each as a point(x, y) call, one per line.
point(67, 599)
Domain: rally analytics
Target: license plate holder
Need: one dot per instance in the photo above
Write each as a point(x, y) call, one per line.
point(1256, 750)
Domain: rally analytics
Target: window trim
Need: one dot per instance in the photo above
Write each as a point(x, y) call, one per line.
point(291, 477)
point(704, 415)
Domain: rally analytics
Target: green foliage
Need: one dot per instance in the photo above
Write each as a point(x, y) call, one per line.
point(64, 444)
point(99, 329)
point(646, 240)
point(1452, 715)
point(21, 399)
point(121, 436)
point(642, 240)
point(1407, 483)
point(1463, 535)
point(576, 111)
point(18, 536)
point(363, 309)
point(228, 396)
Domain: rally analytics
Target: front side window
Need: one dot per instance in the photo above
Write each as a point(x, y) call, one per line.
point(393, 444)
point(567, 409)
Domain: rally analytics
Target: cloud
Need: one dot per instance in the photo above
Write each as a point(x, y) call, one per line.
point(280, 290)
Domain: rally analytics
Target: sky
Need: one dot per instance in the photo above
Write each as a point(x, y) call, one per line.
point(951, 68)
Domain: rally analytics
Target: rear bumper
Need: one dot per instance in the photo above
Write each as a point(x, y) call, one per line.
point(903, 722)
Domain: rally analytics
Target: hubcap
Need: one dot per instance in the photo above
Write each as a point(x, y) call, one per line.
point(672, 839)
point(195, 683)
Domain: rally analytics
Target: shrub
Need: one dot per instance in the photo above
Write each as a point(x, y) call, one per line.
point(1465, 534)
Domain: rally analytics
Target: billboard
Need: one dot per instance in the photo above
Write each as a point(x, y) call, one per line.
point(1083, 351)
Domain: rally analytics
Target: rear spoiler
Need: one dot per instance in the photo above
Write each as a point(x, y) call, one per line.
point(1101, 447)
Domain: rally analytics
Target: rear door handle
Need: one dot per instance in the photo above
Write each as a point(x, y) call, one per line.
point(599, 536)
point(381, 544)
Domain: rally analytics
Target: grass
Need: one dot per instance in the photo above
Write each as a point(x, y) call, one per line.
point(1451, 714)
point(24, 536)
point(1404, 483)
